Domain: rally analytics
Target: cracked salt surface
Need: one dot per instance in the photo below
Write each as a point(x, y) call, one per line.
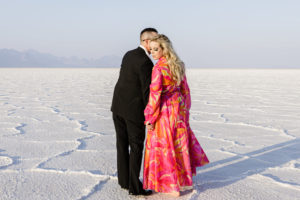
point(57, 138)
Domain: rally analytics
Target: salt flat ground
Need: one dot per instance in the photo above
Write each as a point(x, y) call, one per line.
point(57, 139)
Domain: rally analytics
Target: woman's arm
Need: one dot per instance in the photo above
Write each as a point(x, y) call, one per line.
point(185, 91)
point(152, 109)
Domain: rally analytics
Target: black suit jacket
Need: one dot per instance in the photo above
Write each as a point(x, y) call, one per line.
point(132, 89)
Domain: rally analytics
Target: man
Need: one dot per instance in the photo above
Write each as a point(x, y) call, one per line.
point(129, 101)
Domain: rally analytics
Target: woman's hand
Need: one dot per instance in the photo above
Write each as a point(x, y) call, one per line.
point(149, 126)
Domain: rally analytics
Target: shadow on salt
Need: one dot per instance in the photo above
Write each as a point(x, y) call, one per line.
point(230, 170)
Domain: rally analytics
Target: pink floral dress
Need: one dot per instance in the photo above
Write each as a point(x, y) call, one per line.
point(172, 151)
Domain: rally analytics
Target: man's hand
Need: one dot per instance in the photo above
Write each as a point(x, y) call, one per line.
point(149, 127)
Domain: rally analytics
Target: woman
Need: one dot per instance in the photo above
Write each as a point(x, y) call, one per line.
point(172, 151)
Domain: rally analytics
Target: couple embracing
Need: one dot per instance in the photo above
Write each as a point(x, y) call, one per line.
point(158, 98)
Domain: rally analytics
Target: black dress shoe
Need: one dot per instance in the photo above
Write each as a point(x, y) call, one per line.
point(143, 192)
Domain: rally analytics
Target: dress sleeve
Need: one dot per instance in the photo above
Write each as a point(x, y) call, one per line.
point(185, 91)
point(152, 109)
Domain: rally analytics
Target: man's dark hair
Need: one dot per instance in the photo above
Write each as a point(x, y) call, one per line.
point(148, 30)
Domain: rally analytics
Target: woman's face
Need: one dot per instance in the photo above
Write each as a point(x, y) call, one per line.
point(156, 50)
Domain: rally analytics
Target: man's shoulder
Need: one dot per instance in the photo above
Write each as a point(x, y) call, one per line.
point(137, 53)
point(136, 58)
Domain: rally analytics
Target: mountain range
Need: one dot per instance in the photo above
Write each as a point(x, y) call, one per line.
point(11, 58)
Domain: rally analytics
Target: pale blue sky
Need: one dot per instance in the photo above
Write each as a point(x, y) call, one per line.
point(205, 33)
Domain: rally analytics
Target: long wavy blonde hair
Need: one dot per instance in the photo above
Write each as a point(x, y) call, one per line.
point(176, 65)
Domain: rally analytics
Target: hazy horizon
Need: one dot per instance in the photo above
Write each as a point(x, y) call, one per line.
point(214, 34)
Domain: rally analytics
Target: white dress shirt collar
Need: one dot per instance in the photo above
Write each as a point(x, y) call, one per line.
point(145, 51)
point(150, 57)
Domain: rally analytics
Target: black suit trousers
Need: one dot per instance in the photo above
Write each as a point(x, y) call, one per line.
point(129, 134)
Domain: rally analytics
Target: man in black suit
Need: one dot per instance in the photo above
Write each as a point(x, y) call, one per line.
point(129, 101)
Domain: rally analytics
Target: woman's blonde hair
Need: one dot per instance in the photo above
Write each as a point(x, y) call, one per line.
point(176, 66)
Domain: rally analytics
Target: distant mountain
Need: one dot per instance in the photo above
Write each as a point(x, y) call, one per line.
point(31, 58)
